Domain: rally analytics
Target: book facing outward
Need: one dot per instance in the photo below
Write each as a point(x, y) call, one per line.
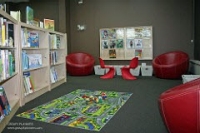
point(29, 15)
point(4, 102)
point(49, 24)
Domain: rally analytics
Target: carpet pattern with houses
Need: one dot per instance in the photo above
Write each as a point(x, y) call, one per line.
point(85, 109)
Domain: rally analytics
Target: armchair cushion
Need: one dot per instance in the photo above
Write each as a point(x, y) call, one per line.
point(79, 63)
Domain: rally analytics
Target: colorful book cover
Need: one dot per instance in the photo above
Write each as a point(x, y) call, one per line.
point(112, 53)
point(28, 82)
point(34, 60)
point(5, 104)
point(1, 111)
point(138, 53)
point(33, 39)
point(29, 15)
point(49, 24)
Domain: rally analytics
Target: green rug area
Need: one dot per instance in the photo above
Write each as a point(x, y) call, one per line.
point(85, 109)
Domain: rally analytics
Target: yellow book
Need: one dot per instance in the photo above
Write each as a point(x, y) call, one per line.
point(3, 35)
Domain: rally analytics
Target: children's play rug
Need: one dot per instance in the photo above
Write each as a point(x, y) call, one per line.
point(85, 109)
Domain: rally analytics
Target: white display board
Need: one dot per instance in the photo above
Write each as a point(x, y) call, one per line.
point(126, 42)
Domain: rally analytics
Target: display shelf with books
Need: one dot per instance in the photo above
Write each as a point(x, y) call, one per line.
point(9, 66)
point(57, 54)
point(25, 62)
point(35, 61)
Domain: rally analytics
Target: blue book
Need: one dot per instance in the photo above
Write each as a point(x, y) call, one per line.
point(34, 60)
point(33, 39)
point(24, 60)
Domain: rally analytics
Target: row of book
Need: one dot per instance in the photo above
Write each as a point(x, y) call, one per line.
point(5, 108)
point(7, 64)
point(31, 61)
point(30, 19)
point(53, 75)
point(28, 83)
point(54, 41)
point(53, 57)
point(29, 38)
point(6, 33)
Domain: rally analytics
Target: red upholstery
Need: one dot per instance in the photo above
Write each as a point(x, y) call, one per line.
point(180, 107)
point(111, 72)
point(126, 70)
point(80, 64)
point(171, 65)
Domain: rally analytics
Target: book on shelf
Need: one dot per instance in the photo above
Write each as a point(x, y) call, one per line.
point(53, 57)
point(28, 83)
point(24, 38)
point(34, 60)
point(16, 15)
point(5, 103)
point(9, 34)
point(3, 32)
point(33, 39)
point(29, 38)
point(29, 15)
point(55, 41)
point(49, 24)
point(24, 60)
point(7, 64)
point(53, 75)
point(3, 7)
point(6, 33)
point(11, 59)
point(1, 112)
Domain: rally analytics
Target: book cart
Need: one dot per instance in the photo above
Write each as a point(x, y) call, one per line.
point(11, 81)
point(126, 42)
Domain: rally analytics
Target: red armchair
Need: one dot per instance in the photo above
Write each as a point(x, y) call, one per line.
point(79, 64)
point(171, 65)
point(180, 107)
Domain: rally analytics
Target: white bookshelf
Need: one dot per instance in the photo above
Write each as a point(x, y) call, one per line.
point(14, 84)
point(60, 64)
point(11, 83)
point(39, 75)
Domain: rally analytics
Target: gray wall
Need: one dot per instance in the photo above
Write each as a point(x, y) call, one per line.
point(197, 30)
point(172, 22)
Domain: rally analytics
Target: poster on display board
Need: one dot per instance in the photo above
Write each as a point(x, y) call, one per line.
point(124, 43)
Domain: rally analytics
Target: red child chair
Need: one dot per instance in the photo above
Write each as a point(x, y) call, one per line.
point(126, 70)
point(110, 74)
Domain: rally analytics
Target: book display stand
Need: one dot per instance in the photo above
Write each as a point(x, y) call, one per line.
point(126, 42)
